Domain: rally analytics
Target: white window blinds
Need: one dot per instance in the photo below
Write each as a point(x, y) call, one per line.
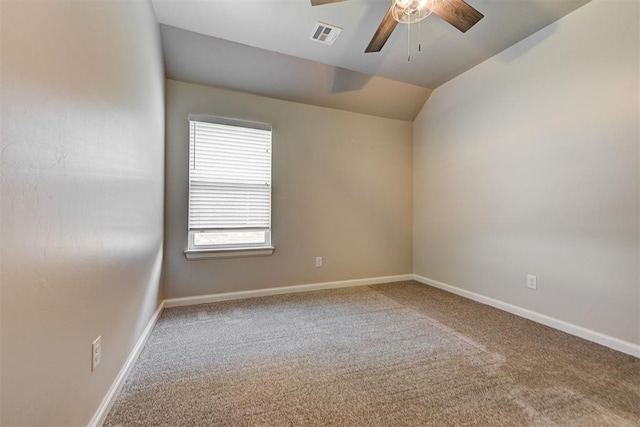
point(229, 177)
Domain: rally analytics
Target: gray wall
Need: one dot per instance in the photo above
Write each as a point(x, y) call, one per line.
point(528, 164)
point(82, 109)
point(342, 189)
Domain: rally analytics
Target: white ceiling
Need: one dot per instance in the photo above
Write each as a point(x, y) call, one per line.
point(263, 47)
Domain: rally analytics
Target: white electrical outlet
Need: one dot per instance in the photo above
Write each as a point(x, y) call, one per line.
point(532, 281)
point(96, 353)
point(318, 261)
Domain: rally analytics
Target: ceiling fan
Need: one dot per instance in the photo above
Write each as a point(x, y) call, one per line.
point(455, 12)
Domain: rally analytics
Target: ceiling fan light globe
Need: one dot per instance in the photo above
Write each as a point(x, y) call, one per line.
point(406, 16)
point(414, 11)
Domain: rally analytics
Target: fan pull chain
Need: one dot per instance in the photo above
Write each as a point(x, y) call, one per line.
point(419, 36)
point(409, 41)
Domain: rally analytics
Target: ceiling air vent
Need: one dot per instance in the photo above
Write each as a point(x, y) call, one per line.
point(325, 33)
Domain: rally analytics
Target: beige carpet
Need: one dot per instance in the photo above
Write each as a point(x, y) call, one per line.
point(386, 355)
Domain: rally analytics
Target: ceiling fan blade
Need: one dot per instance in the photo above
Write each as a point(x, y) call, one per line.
point(458, 13)
point(321, 2)
point(383, 32)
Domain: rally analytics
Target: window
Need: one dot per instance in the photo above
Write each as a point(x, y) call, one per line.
point(229, 188)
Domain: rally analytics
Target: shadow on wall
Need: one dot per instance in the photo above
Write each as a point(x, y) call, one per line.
point(348, 81)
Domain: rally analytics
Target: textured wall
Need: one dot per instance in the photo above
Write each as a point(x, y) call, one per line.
point(342, 189)
point(82, 109)
point(528, 164)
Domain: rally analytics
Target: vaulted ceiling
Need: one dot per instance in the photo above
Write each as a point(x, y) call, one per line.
point(264, 47)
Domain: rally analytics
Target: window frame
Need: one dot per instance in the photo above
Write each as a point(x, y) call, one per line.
point(193, 252)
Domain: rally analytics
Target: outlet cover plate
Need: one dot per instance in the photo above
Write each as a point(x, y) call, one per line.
point(532, 281)
point(96, 353)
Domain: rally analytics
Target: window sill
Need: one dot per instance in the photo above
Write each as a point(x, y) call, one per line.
point(196, 254)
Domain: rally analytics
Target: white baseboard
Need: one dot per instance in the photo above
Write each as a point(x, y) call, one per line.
point(228, 296)
point(579, 331)
point(110, 398)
